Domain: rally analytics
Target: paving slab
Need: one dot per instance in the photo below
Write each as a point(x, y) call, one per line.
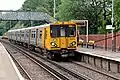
point(8, 69)
point(100, 53)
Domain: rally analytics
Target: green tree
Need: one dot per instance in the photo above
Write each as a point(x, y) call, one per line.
point(117, 14)
point(82, 9)
point(98, 12)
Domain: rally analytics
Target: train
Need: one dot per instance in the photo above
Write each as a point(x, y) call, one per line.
point(58, 39)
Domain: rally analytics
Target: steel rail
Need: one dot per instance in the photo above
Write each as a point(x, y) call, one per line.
point(72, 73)
point(78, 76)
point(28, 77)
point(53, 72)
point(98, 71)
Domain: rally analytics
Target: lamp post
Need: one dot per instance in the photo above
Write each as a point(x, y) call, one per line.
point(112, 20)
point(87, 32)
point(54, 9)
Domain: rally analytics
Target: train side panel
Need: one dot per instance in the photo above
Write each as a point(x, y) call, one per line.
point(33, 37)
point(39, 37)
point(18, 36)
point(22, 36)
point(46, 38)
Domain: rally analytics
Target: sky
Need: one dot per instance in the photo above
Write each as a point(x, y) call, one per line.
point(11, 4)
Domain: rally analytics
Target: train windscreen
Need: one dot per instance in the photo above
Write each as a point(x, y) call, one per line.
point(63, 31)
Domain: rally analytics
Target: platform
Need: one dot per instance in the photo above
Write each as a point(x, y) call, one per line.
point(8, 70)
point(110, 55)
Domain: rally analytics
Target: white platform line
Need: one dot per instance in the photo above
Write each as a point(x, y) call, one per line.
point(102, 56)
point(17, 71)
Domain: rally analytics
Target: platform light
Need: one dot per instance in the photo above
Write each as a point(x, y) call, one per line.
point(54, 9)
point(112, 20)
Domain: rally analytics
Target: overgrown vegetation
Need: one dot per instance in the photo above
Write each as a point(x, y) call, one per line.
point(98, 12)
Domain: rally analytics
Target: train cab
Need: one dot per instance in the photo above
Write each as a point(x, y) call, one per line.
point(61, 39)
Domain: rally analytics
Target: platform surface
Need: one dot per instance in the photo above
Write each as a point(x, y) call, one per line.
point(8, 70)
point(100, 53)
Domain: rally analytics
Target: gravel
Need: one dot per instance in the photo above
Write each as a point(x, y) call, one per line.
point(79, 69)
point(56, 68)
point(35, 72)
point(39, 74)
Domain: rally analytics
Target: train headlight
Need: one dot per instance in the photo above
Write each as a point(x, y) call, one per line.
point(53, 44)
point(73, 43)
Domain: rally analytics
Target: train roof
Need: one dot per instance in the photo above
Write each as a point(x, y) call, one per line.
point(41, 26)
point(34, 27)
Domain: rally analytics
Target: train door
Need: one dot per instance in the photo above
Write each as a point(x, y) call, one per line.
point(34, 37)
point(20, 35)
point(29, 37)
point(37, 37)
point(44, 37)
point(40, 37)
point(63, 41)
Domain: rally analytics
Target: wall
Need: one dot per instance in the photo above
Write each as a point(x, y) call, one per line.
point(100, 39)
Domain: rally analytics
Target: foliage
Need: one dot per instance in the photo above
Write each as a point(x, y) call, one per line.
point(6, 25)
point(97, 12)
point(91, 10)
point(117, 14)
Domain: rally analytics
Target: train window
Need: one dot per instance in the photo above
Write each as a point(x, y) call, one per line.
point(19, 34)
point(62, 31)
point(34, 36)
point(71, 31)
point(40, 36)
point(55, 32)
point(23, 35)
point(27, 35)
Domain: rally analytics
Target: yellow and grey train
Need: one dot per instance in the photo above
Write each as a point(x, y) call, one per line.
point(57, 39)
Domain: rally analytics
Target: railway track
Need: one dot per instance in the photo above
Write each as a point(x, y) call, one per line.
point(79, 76)
point(57, 75)
point(62, 77)
point(22, 70)
point(95, 70)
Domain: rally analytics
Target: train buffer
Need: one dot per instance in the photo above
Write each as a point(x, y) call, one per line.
point(8, 70)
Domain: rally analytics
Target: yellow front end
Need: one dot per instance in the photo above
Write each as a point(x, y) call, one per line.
point(69, 43)
point(63, 38)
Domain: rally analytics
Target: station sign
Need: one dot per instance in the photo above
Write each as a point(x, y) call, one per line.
point(109, 27)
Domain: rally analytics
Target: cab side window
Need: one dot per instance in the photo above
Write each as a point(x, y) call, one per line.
point(40, 35)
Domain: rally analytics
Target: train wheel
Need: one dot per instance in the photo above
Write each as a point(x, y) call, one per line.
point(41, 51)
point(57, 57)
point(53, 56)
point(49, 55)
